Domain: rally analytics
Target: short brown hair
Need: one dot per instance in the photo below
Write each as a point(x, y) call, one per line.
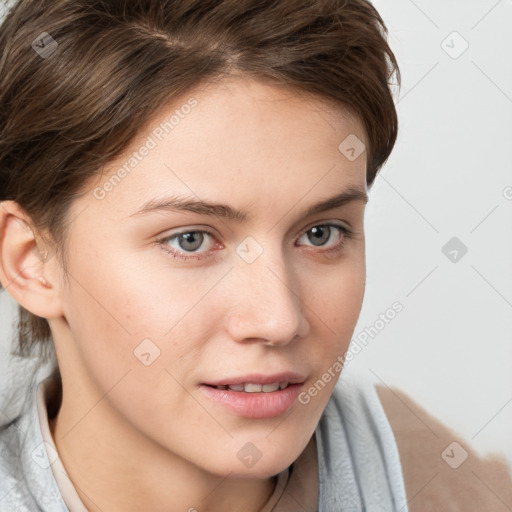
point(65, 115)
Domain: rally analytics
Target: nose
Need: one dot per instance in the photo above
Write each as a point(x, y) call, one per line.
point(266, 304)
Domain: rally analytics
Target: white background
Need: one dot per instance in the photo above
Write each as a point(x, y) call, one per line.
point(450, 348)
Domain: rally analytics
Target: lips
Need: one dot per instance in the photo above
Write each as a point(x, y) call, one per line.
point(256, 395)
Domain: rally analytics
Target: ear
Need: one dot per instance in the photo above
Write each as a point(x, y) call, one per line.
point(27, 269)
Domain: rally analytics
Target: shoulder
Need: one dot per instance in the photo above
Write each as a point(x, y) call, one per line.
point(440, 469)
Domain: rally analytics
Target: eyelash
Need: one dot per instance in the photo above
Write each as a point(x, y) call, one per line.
point(347, 234)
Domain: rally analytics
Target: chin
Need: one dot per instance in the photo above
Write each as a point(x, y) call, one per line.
point(258, 459)
point(261, 470)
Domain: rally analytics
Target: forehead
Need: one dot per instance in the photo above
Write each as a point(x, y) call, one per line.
point(242, 102)
point(238, 137)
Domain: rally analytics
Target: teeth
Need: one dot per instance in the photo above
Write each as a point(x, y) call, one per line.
point(268, 388)
point(250, 387)
point(253, 388)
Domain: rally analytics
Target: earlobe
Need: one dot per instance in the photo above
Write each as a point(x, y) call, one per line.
point(23, 263)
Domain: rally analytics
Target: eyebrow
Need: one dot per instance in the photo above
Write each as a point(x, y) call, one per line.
point(184, 203)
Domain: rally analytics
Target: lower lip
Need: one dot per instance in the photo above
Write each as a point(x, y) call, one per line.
point(254, 405)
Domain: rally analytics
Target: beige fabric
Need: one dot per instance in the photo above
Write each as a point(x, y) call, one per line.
point(437, 473)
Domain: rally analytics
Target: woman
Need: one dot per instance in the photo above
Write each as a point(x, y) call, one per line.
point(183, 188)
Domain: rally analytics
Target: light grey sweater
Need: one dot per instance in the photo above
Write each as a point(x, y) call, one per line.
point(358, 462)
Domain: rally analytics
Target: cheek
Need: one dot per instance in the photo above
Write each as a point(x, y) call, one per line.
point(125, 314)
point(126, 334)
point(336, 304)
point(336, 299)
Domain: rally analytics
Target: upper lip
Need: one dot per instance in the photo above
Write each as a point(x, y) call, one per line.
point(260, 378)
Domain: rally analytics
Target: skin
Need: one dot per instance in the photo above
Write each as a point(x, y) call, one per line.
point(134, 437)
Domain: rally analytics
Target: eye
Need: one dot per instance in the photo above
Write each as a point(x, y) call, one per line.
point(320, 234)
point(187, 244)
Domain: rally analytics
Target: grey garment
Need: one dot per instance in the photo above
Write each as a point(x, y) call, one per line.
point(27, 483)
point(358, 462)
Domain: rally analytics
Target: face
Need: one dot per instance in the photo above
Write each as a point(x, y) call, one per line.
point(188, 322)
